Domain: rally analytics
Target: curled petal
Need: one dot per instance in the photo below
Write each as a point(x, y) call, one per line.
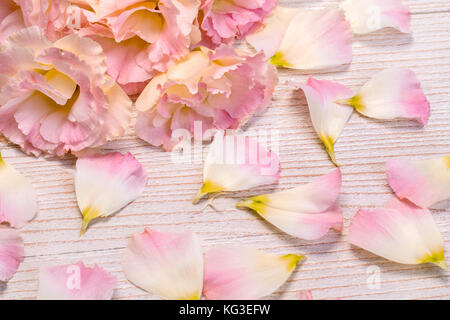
point(18, 201)
point(328, 117)
point(240, 273)
point(390, 94)
point(164, 263)
point(400, 232)
point(106, 183)
point(305, 295)
point(11, 252)
point(371, 15)
point(313, 39)
point(75, 282)
point(423, 182)
point(237, 163)
point(306, 212)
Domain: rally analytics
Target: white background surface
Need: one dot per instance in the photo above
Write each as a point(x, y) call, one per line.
point(334, 269)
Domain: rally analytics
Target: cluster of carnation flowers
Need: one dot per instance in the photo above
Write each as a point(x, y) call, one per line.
point(73, 71)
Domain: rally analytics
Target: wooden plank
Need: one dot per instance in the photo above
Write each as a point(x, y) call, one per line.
point(334, 269)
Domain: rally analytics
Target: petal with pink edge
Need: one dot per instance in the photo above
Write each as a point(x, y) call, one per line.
point(241, 273)
point(237, 163)
point(167, 264)
point(306, 212)
point(18, 200)
point(423, 182)
point(11, 252)
point(390, 94)
point(400, 232)
point(328, 117)
point(106, 183)
point(312, 40)
point(305, 295)
point(366, 16)
point(75, 282)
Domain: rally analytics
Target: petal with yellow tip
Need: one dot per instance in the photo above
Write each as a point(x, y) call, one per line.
point(167, 264)
point(328, 117)
point(237, 163)
point(391, 94)
point(306, 212)
point(105, 183)
point(18, 200)
point(423, 182)
point(400, 232)
point(242, 273)
point(11, 252)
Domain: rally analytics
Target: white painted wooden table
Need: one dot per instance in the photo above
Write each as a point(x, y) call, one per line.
point(334, 269)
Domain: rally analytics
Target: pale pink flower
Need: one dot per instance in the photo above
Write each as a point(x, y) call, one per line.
point(222, 21)
point(11, 252)
point(140, 38)
point(56, 97)
point(220, 89)
point(11, 18)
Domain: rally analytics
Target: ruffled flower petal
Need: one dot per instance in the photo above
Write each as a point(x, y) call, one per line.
point(18, 201)
point(400, 232)
point(390, 94)
point(423, 182)
point(311, 39)
point(56, 97)
point(11, 252)
point(206, 91)
point(371, 15)
point(240, 273)
point(106, 183)
point(306, 212)
point(328, 117)
point(167, 264)
point(75, 282)
point(237, 163)
point(225, 20)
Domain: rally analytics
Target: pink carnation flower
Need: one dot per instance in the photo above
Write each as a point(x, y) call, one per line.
point(140, 38)
point(56, 97)
point(225, 20)
point(219, 89)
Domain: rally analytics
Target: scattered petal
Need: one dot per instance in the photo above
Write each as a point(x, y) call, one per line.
point(390, 94)
point(225, 20)
point(106, 183)
point(237, 163)
point(305, 295)
point(400, 232)
point(306, 212)
point(204, 92)
point(311, 39)
point(328, 117)
point(75, 282)
point(164, 263)
point(240, 273)
point(18, 201)
point(371, 15)
point(423, 182)
point(11, 252)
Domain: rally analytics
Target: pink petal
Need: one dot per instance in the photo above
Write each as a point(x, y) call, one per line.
point(328, 117)
point(305, 295)
point(423, 182)
point(371, 15)
point(306, 212)
point(400, 232)
point(167, 264)
point(237, 163)
point(390, 94)
point(11, 252)
point(240, 273)
point(106, 183)
point(18, 201)
point(75, 282)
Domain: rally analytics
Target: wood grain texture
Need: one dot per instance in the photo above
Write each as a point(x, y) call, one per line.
point(334, 269)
